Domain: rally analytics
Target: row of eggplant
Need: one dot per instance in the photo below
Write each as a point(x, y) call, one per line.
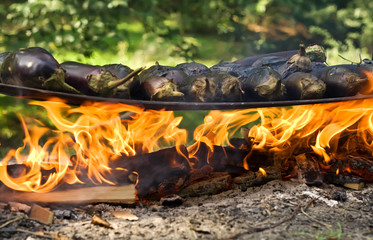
point(277, 76)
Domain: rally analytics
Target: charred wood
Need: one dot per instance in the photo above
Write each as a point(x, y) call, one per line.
point(154, 169)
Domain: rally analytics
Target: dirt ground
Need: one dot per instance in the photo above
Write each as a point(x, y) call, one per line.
point(276, 210)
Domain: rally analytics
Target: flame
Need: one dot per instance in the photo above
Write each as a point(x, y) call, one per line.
point(85, 139)
point(263, 172)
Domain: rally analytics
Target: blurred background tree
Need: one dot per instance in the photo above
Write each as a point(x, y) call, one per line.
point(175, 29)
point(140, 32)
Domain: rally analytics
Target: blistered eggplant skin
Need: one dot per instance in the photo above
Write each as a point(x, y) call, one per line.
point(118, 70)
point(227, 67)
point(341, 82)
point(159, 89)
point(28, 67)
point(194, 68)
point(262, 83)
point(271, 61)
point(156, 70)
point(77, 75)
point(198, 88)
point(228, 87)
point(302, 86)
point(300, 62)
point(173, 74)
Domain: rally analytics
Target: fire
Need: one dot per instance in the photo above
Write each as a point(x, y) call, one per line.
point(84, 141)
point(86, 138)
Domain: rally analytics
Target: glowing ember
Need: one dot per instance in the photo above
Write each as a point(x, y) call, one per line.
point(87, 138)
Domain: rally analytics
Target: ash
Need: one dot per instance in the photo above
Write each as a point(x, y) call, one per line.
point(275, 210)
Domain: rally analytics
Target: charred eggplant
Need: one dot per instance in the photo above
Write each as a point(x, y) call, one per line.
point(193, 68)
point(199, 88)
point(341, 82)
point(300, 62)
point(302, 85)
point(261, 83)
point(228, 87)
point(2, 57)
point(158, 89)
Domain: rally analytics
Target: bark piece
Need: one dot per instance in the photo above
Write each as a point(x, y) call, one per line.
point(171, 200)
point(96, 220)
point(126, 215)
point(19, 207)
point(41, 214)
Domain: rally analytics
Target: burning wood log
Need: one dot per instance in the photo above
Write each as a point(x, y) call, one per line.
point(251, 179)
point(308, 170)
point(215, 183)
point(348, 181)
point(159, 173)
point(360, 166)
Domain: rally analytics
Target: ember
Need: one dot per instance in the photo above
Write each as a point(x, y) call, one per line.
point(96, 144)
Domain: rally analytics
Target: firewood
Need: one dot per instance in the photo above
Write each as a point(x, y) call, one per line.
point(308, 170)
point(159, 173)
point(348, 181)
point(251, 179)
point(216, 183)
point(360, 166)
point(41, 214)
point(99, 194)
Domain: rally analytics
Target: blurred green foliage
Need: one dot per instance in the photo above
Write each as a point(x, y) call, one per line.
point(138, 33)
point(87, 26)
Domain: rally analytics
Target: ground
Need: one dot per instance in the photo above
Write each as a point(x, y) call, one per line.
point(276, 210)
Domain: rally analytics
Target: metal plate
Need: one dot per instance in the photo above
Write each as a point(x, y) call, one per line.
point(75, 99)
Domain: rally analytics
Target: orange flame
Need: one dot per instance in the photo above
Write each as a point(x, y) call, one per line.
point(93, 134)
point(86, 138)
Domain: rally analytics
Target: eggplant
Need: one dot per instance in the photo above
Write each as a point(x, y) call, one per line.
point(193, 68)
point(300, 62)
point(228, 86)
point(271, 61)
point(77, 75)
point(302, 86)
point(341, 81)
point(199, 88)
point(174, 74)
point(94, 80)
point(34, 67)
point(158, 89)
point(257, 83)
point(2, 57)
point(121, 71)
point(316, 53)
point(262, 83)
point(227, 67)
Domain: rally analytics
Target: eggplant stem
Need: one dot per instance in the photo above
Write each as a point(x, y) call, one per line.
point(114, 84)
point(302, 50)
